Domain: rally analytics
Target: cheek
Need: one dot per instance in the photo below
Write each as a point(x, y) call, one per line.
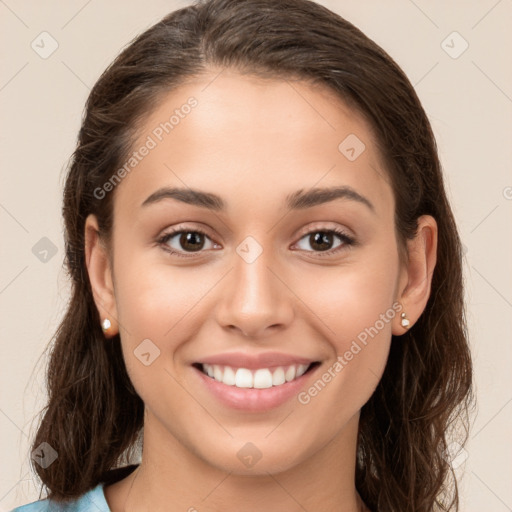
point(356, 309)
point(152, 297)
point(360, 347)
point(155, 305)
point(352, 297)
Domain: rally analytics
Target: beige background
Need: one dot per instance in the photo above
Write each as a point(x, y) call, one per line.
point(469, 103)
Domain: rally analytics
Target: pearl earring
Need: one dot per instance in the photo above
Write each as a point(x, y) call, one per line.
point(105, 325)
point(405, 321)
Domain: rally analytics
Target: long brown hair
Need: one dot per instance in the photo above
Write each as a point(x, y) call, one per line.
point(94, 416)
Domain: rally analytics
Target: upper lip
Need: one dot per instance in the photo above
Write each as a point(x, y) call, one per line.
point(263, 360)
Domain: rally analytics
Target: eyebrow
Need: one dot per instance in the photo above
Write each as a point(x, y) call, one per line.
point(299, 200)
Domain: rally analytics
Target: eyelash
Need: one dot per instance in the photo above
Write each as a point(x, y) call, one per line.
point(346, 239)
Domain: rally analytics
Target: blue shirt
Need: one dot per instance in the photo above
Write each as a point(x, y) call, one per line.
point(92, 501)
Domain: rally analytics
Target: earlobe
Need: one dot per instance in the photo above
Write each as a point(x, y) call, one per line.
point(414, 295)
point(100, 277)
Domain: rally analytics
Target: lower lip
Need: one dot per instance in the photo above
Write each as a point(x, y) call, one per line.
point(251, 399)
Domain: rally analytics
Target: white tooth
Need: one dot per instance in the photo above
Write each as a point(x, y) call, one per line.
point(278, 377)
point(229, 376)
point(243, 378)
point(217, 372)
point(301, 369)
point(290, 374)
point(263, 379)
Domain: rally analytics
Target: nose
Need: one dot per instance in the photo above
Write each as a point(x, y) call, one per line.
point(256, 300)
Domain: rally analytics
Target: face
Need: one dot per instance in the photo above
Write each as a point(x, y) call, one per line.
point(265, 274)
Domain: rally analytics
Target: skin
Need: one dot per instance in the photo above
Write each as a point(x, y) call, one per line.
point(253, 142)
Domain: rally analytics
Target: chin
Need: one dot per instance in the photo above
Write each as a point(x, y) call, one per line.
point(256, 457)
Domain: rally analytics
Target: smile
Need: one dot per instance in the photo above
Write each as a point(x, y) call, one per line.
point(254, 382)
point(260, 378)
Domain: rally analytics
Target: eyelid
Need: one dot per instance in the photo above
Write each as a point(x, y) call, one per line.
point(324, 226)
point(181, 227)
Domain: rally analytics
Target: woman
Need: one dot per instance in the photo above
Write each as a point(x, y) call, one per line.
point(267, 283)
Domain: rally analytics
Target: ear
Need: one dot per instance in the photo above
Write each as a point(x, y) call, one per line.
point(100, 275)
point(416, 277)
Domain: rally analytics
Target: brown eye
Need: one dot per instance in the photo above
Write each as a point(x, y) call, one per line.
point(183, 241)
point(191, 241)
point(322, 240)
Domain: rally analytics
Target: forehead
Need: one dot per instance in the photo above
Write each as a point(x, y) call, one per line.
point(246, 138)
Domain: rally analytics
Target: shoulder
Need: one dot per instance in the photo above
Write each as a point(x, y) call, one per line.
point(93, 500)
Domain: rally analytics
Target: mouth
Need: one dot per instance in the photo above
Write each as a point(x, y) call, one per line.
point(258, 378)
